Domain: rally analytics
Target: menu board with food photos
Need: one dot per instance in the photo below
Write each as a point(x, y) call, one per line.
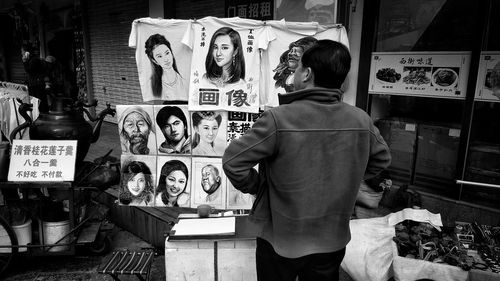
point(422, 74)
point(488, 77)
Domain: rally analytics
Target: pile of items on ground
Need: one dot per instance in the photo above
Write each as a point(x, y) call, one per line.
point(466, 245)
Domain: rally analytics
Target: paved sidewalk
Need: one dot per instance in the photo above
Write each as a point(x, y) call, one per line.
point(81, 267)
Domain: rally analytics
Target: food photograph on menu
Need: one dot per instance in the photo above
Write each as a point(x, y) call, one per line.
point(437, 74)
point(488, 84)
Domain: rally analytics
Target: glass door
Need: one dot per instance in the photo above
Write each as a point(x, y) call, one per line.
point(481, 175)
point(419, 88)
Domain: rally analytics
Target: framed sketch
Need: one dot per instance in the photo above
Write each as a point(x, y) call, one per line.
point(173, 188)
point(209, 133)
point(173, 129)
point(137, 181)
point(237, 200)
point(209, 183)
point(136, 129)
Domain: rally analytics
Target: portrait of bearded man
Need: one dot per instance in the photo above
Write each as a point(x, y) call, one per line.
point(137, 131)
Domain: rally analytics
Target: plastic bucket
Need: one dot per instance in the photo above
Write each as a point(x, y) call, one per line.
point(4, 241)
point(53, 232)
point(23, 233)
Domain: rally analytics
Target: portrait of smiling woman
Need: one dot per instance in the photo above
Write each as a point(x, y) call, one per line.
point(206, 126)
point(225, 63)
point(136, 187)
point(171, 191)
point(166, 81)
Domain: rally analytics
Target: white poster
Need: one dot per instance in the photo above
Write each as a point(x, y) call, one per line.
point(137, 181)
point(488, 77)
point(238, 123)
point(226, 65)
point(209, 183)
point(136, 128)
point(209, 133)
point(421, 74)
point(163, 62)
point(173, 188)
point(173, 129)
point(42, 160)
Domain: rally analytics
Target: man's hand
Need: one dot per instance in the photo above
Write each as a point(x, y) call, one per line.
point(26, 56)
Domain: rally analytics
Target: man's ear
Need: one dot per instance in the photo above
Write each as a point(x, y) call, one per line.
point(308, 75)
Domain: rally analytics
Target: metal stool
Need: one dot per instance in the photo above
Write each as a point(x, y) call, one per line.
point(127, 262)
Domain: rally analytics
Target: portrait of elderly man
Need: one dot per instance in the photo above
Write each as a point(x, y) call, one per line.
point(173, 124)
point(289, 62)
point(210, 182)
point(136, 129)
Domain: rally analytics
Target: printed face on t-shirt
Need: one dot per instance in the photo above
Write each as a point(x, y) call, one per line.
point(223, 50)
point(294, 57)
point(163, 56)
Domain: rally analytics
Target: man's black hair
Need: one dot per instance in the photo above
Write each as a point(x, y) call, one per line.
point(330, 62)
point(166, 112)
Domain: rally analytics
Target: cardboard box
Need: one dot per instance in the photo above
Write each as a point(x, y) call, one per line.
point(401, 136)
point(407, 269)
point(436, 158)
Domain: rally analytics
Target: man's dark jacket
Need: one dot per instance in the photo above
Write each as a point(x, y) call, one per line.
point(313, 151)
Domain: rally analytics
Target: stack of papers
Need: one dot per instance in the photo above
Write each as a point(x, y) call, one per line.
point(205, 226)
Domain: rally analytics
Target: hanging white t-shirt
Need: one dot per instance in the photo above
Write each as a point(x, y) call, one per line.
point(216, 94)
point(10, 118)
point(173, 30)
point(280, 34)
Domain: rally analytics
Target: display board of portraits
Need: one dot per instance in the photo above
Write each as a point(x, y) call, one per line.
point(204, 83)
point(172, 157)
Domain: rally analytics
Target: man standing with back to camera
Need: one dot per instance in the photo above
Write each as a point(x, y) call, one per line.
point(313, 151)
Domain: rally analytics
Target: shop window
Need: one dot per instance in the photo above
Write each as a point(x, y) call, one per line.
point(426, 46)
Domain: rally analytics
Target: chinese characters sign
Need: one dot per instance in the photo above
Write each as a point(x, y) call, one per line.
point(238, 123)
point(42, 160)
point(429, 74)
point(488, 83)
point(261, 10)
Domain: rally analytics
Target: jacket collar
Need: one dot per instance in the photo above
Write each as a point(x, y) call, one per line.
point(323, 95)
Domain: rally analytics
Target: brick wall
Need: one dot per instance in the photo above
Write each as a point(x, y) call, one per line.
point(114, 72)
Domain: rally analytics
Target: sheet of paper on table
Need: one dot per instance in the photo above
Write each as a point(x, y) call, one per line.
point(420, 215)
point(205, 226)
